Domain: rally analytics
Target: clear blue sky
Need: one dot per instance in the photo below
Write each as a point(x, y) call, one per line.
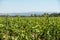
point(16, 6)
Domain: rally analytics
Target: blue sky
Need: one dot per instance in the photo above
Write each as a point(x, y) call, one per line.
point(17, 6)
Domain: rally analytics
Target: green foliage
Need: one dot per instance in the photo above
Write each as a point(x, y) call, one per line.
point(30, 28)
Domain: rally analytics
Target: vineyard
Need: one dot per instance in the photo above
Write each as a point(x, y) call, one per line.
point(29, 28)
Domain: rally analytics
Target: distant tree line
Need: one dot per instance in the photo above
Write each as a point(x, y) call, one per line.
point(35, 15)
point(47, 14)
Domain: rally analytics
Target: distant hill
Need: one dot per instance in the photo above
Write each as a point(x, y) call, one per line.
point(22, 14)
point(28, 13)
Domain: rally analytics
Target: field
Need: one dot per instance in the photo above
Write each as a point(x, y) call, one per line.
point(29, 28)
